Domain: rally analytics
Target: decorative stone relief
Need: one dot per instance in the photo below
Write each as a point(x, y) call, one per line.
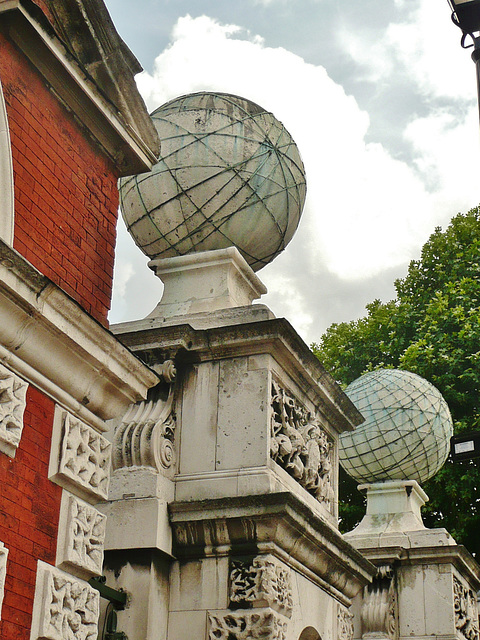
point(379, 608)
point(301, 446)
point(3, 573)
point(13, 392)
point(84, 458)
point(247, 625)
point(146, 435)
point(263, 581)
point(80, 548)
point(466, 611)
point(345, 624)
point(64, 608)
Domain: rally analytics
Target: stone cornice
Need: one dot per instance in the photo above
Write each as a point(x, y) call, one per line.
point(277, 523)
point(47, 339)
point(276, 337)
point(23, 24)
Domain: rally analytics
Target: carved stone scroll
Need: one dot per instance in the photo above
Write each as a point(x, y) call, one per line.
point(261, 582)
point(13, 392)
point(379, 608)
point(146, 434)
point(84, 458)
point(466, 611)
point(247, 625)
point(301, 446)
point(64, 608)
point(81, 538)
point(345, 624)
point(3, 573)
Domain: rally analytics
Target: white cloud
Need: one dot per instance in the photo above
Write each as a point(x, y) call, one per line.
point(366, 211)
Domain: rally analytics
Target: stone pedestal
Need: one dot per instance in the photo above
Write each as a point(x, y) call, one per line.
point(425, 585)
point(228, 475)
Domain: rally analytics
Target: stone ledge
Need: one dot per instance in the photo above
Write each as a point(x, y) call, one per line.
point(277, 523)
point(50, 341)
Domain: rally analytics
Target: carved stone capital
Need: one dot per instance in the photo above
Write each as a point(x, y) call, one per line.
point(145, 437)
point(259, 582)
point(301, 446)
point(379, 608)
point(247, 625)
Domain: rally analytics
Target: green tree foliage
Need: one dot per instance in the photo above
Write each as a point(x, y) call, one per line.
point(432, 328)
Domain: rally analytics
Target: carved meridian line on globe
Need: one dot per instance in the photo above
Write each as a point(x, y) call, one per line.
point(146, 435)
point(466, 611)
point(379, 607)
point(13, 392)
point(300, 446)
point(261, 580)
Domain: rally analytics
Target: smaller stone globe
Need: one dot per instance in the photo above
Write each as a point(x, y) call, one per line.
point(229, 174)
point(407, 429)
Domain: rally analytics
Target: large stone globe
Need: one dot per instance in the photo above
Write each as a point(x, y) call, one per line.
point(407, 429)
point(229, 174)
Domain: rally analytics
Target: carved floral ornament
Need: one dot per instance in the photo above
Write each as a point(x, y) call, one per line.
point(345, 624)
point(466, 611)
point(146, 435)
point(301, 446)
point(13, 392)
point(260, 601)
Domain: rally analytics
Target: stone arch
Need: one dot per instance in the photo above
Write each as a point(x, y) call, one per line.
point(309, 633)
point(6, 177)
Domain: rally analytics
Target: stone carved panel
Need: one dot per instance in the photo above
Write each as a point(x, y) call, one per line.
point(3, 573)
point(81, 538)
point(379, 607)
point(345, 624)
point(146, 435)
point(247, 625)
point(263, 581)
point(64, 608)
point(13, 392)
point(301, 446)
point(84, 458)
point(466, 611)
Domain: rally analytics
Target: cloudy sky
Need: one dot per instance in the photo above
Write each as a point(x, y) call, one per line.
point(379, 97)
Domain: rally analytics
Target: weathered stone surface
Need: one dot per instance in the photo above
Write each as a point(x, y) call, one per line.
point(13, 392)
point(247, 625)
point(3, 573)
point(64, 608)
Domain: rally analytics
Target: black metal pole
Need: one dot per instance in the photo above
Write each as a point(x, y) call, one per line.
point(476, 59)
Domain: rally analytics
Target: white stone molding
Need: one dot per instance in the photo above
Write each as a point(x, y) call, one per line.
point(261, 582)
point(146, 435)
point(345, 624)
point(247, 625)
point(80, 458)
point(6, 177)
point(13, 392)
point(301, 446)
point(3, 573)
point(81, 537)
point(51, 342)
point(466, 611)
point(64, 608)
point(379, 607)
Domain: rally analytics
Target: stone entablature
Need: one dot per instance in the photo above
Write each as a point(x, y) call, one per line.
point(13, 392)
point(65, 608)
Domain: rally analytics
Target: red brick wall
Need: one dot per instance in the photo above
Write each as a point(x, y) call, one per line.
point(66, 198)
point(29, 513)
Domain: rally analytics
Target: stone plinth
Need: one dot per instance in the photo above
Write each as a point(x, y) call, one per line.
point(425, 585)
